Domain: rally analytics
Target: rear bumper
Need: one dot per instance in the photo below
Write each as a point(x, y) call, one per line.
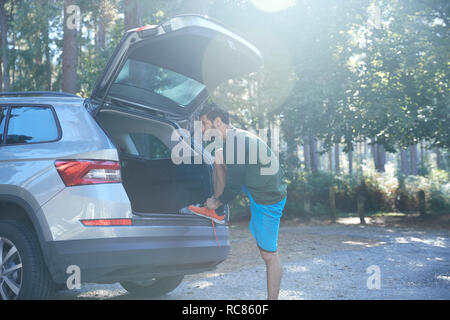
point(179, 250)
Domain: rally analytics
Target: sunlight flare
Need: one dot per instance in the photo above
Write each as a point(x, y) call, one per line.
point(273, 6)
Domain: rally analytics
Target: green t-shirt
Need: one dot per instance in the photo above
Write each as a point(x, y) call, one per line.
point(254, 165)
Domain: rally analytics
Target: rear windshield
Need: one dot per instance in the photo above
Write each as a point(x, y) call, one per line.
point(156, 80)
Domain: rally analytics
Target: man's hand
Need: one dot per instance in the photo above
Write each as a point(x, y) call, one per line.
point(212, 203)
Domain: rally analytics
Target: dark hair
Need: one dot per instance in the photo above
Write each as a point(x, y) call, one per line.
point(215, 112)
point(208, 106)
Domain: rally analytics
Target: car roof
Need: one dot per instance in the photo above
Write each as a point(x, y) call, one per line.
point(75, 100)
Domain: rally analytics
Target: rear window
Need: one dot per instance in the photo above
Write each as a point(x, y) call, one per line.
point(150, 147)
point(156, 80)
point(31, 125)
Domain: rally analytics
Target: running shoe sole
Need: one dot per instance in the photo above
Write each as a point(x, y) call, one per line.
point(208, 217)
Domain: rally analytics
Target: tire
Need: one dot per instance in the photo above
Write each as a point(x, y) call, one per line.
point(31, 279)
point(157, 287)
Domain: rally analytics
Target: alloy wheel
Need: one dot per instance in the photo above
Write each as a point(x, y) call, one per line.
point(11, 271)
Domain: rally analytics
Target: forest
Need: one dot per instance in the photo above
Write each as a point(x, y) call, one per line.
point(358, 89)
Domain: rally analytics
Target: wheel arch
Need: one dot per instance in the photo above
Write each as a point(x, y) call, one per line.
point(13, 207)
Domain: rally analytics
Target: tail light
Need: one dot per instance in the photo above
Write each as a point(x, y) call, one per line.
point(106, 222)
point(83, 172)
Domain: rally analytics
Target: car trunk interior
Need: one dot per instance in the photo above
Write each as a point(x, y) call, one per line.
point(154, 184)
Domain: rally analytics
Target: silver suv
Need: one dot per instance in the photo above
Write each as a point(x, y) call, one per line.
point(88, 187)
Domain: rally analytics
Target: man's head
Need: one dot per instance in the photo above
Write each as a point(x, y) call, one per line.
point(220, 120)
point(213, 117)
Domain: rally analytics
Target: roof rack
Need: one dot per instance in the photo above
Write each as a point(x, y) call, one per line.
point(37, 93)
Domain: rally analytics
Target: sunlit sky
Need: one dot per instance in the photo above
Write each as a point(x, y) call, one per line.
point(273, 5)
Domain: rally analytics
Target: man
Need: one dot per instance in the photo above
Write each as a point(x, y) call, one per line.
point(266, 192)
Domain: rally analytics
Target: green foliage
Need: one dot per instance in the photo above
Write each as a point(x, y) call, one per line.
point(330, 73)
point(240, 208)
point(383, 193)
point(436, 186)
point(32, 52)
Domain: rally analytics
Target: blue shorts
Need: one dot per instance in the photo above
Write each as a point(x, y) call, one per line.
point(265, 222)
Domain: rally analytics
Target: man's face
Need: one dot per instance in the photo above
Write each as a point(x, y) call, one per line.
point(206, 123)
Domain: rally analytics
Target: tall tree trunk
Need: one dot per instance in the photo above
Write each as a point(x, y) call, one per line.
point(307, 154)
point(333, 203)
point(70, 52)
point(438, 158)
point(422, 155)
point(48, 63)
point(365, 149)
point(330, 160)
point(291, 157)
point(374, 153)
point(359, 146)
point(404, 161)
point(413, 159)
point(100, 35)
point(422, 202)
point(360, 204)
point(336, 158)
point(13, 63)
point(133, 14)
point(350, 159)
point(4, 44)
point(381, 158)
point(104, 16)
point(314, 154)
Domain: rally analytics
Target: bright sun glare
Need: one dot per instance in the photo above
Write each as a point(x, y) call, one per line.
point(273, 5)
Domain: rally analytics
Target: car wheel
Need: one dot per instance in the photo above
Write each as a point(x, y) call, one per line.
point(153, 287)
point(23, 273)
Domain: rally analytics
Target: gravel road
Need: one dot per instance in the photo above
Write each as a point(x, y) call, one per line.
point(319, 262)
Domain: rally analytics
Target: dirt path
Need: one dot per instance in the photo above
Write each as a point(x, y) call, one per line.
point(320, 262)
point(296, 242)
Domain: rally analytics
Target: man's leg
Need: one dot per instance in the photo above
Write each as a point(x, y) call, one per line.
point(274, 272)
point(219, 174)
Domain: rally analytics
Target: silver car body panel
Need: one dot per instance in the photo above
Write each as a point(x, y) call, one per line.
point(28, 171)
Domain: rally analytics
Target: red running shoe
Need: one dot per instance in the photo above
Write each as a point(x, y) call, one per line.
point(207, 213)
